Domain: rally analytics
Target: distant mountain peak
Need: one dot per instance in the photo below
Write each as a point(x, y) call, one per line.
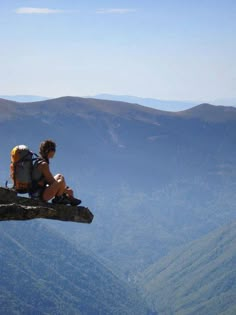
point(166, 105)
point(24, 98)
point(213, 113)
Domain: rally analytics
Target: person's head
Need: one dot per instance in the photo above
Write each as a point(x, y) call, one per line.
point(47, 149)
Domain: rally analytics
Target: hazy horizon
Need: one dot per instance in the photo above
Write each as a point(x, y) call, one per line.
point(175, 50)
point(146, 101)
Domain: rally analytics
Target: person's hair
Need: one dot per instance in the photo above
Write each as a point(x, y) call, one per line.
point(45, 147)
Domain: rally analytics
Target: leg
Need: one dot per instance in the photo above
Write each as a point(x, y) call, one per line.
point(57, 188)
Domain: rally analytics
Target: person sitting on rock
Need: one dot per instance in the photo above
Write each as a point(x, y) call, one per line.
point(47, 186)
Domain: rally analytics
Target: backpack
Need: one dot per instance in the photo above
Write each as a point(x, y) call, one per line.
point(21, 168)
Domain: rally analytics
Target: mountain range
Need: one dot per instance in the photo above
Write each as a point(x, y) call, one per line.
point(168, 105)
point(24, 98)
point(149, 102)
point(155, 180)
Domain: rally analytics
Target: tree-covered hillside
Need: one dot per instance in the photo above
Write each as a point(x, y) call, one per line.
point(42, 273)
point(197, 279)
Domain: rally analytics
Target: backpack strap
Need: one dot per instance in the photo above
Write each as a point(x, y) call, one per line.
point(36, 176)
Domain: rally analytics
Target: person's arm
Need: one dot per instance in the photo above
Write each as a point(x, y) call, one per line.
point(49, 178)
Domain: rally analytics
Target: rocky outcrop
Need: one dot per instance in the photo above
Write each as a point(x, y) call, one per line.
point(14, 207)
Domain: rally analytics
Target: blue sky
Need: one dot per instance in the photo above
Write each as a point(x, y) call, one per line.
point(176, 50)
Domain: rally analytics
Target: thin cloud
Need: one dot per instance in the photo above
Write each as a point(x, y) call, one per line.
point(38, 11)
point(115, 11)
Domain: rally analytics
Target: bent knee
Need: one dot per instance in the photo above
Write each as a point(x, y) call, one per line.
point(59, 177)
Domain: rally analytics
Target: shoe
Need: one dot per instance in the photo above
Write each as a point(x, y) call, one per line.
point(74, 201)
point(66, 200)
point(62, 200)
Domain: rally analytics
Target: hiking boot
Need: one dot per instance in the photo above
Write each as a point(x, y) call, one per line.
point(74, 201)
point(62, 200)
point(66, 200)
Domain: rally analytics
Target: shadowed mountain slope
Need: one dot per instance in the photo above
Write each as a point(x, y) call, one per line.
point(42, 273)
point(198, 279)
